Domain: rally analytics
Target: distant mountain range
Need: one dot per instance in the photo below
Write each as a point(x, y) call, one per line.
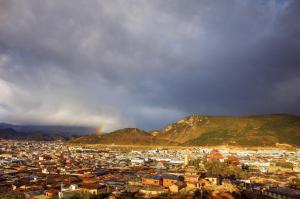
point(42, 132)
point(204, 130)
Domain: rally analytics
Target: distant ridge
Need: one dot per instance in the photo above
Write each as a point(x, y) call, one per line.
point(204, 130)
point(42, 132)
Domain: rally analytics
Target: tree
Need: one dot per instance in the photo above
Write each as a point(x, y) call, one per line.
point(100, 196)
point(79, 196)
point(285, 164)
point(215, 168)
point(12, 195)
point(195, 162)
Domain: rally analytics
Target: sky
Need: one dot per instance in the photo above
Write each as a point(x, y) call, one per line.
point(141, 63)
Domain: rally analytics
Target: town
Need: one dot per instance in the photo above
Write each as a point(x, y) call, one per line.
point(54, 169)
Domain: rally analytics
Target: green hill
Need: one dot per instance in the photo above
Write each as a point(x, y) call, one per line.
point(261, 130)
point(127, 136)
point(202, 130)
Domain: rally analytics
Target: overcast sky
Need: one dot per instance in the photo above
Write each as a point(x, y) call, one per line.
point(145, 63)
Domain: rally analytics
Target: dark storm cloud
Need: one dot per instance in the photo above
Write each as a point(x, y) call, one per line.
point(146, 63)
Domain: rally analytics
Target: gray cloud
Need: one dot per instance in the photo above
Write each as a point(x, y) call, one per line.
point(146, 63)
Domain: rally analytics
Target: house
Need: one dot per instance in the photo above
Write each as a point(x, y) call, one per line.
point(175, 188)
point(193, 175)
point(215, 180)
point(139, 161)
point(281, 192)
point(170, 179)
point(160, 166)
point(215, 155)
point(51, 193)
point(93, 188)
point(151, 191)
point(66, 192)
point(135, 181)
point(89, 180)
point(212, 180)
point(152, 180)
point(233, 160)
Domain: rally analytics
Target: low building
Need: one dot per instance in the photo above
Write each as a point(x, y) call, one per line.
point(137, 161)
point(281, 192)
point(170, 179)
point(233, 160)
point(175, 188)
point(152, 191)
point(214, 180)
point(215, 155)
point(93, 188)
point(51, 193)
point(192, 176)
point(152, 180)
point(67, 192)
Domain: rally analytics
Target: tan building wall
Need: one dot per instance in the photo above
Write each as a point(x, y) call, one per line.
point(168, 182)
point(149, 181)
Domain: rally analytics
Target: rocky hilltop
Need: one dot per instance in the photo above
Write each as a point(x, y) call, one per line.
point(257, 130)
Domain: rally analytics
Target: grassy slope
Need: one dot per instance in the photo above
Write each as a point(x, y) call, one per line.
point(264, 130)
point(127, 136)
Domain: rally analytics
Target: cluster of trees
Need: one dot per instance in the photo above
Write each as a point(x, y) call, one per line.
point(296, 182)
point(88, 196)
point(225, 169)
point(215, 168)
point(285, 164)
point(12, 195)
point(195, 162)
point(18, 195)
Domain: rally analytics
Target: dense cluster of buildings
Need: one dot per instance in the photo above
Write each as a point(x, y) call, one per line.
point(56, 170)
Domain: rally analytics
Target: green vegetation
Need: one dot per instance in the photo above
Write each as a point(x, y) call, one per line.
point(265, 130)
point(127, 136)
point(195, 162)
point(215, 168)
point(210, 138)
point(88, 196)
point(285, 164)
point(296, 181)
point(12, 195)
point(99, 196)
point(201, 130)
